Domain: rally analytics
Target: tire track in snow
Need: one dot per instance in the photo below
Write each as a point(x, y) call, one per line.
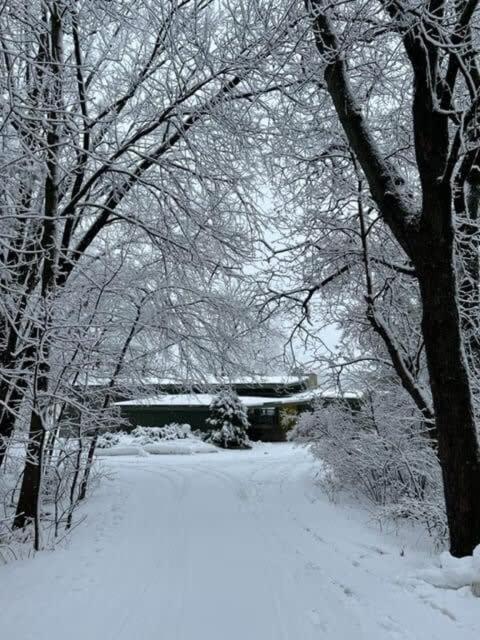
point(162, 560)
point(239, 490)
point(326, 613)
point(381, 611)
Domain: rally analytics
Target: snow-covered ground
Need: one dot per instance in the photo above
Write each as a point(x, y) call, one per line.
point(235, 546)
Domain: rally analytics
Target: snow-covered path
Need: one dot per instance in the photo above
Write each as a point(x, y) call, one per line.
point(229, 546)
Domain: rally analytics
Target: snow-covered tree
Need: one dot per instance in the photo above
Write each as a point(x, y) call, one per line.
point(127, 134)
point(228, 421)
point(390, 94)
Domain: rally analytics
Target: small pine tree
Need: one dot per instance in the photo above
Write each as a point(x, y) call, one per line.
point(228, 421)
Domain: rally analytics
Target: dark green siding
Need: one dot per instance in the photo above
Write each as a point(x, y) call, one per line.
point(263, 427)
point(160, 416)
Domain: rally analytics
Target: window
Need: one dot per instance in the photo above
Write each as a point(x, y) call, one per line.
point(268, 412)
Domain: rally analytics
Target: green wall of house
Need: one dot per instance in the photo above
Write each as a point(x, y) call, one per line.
point(263, 426)
point(265, 422)
point(160, 416)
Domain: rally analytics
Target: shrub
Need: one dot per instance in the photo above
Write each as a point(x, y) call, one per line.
point(109, 439)
point(172, 431)
point(380, 452)
point(228, 421)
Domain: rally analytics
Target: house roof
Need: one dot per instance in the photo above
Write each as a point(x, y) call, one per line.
point(187, 400)
point(205, 399)
point(254, 380)
point(311, 395)
point(185, 383)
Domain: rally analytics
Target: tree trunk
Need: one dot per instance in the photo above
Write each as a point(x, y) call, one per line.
point(458, 448)
point(28, 505)
point(7, 426)
point(28, 501)
point(13, 385)
point(88, 466)
point(76, 475)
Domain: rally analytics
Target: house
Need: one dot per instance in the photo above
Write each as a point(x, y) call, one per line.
point(177, 401)
point(266, 398)
point(194, 409)
point(272, 402)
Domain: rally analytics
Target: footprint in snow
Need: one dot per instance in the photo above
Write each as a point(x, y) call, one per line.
point(395, 631)
point(316, 619)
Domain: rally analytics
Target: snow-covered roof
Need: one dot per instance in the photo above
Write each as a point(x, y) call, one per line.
point(238, 380)
point(205, 399)
point(316, 394)
point(188, 400)
point(280, 380)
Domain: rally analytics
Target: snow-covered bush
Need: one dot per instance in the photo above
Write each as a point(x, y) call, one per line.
point(380, 451)
point(228, 421)
point(288, 419)
point(150, 435)
point(173, 438)
point(109, 439)
point(141, 436)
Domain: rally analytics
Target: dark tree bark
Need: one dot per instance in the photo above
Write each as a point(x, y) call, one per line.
point(466, 203)
point(457, 439)
point(401, 367)
point(7, 421)
point(28, 502)
point(13, 385)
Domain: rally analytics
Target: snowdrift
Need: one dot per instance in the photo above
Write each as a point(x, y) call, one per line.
point(455, 573)
point(159, 441)
point(180, 446)
point(122, 450)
